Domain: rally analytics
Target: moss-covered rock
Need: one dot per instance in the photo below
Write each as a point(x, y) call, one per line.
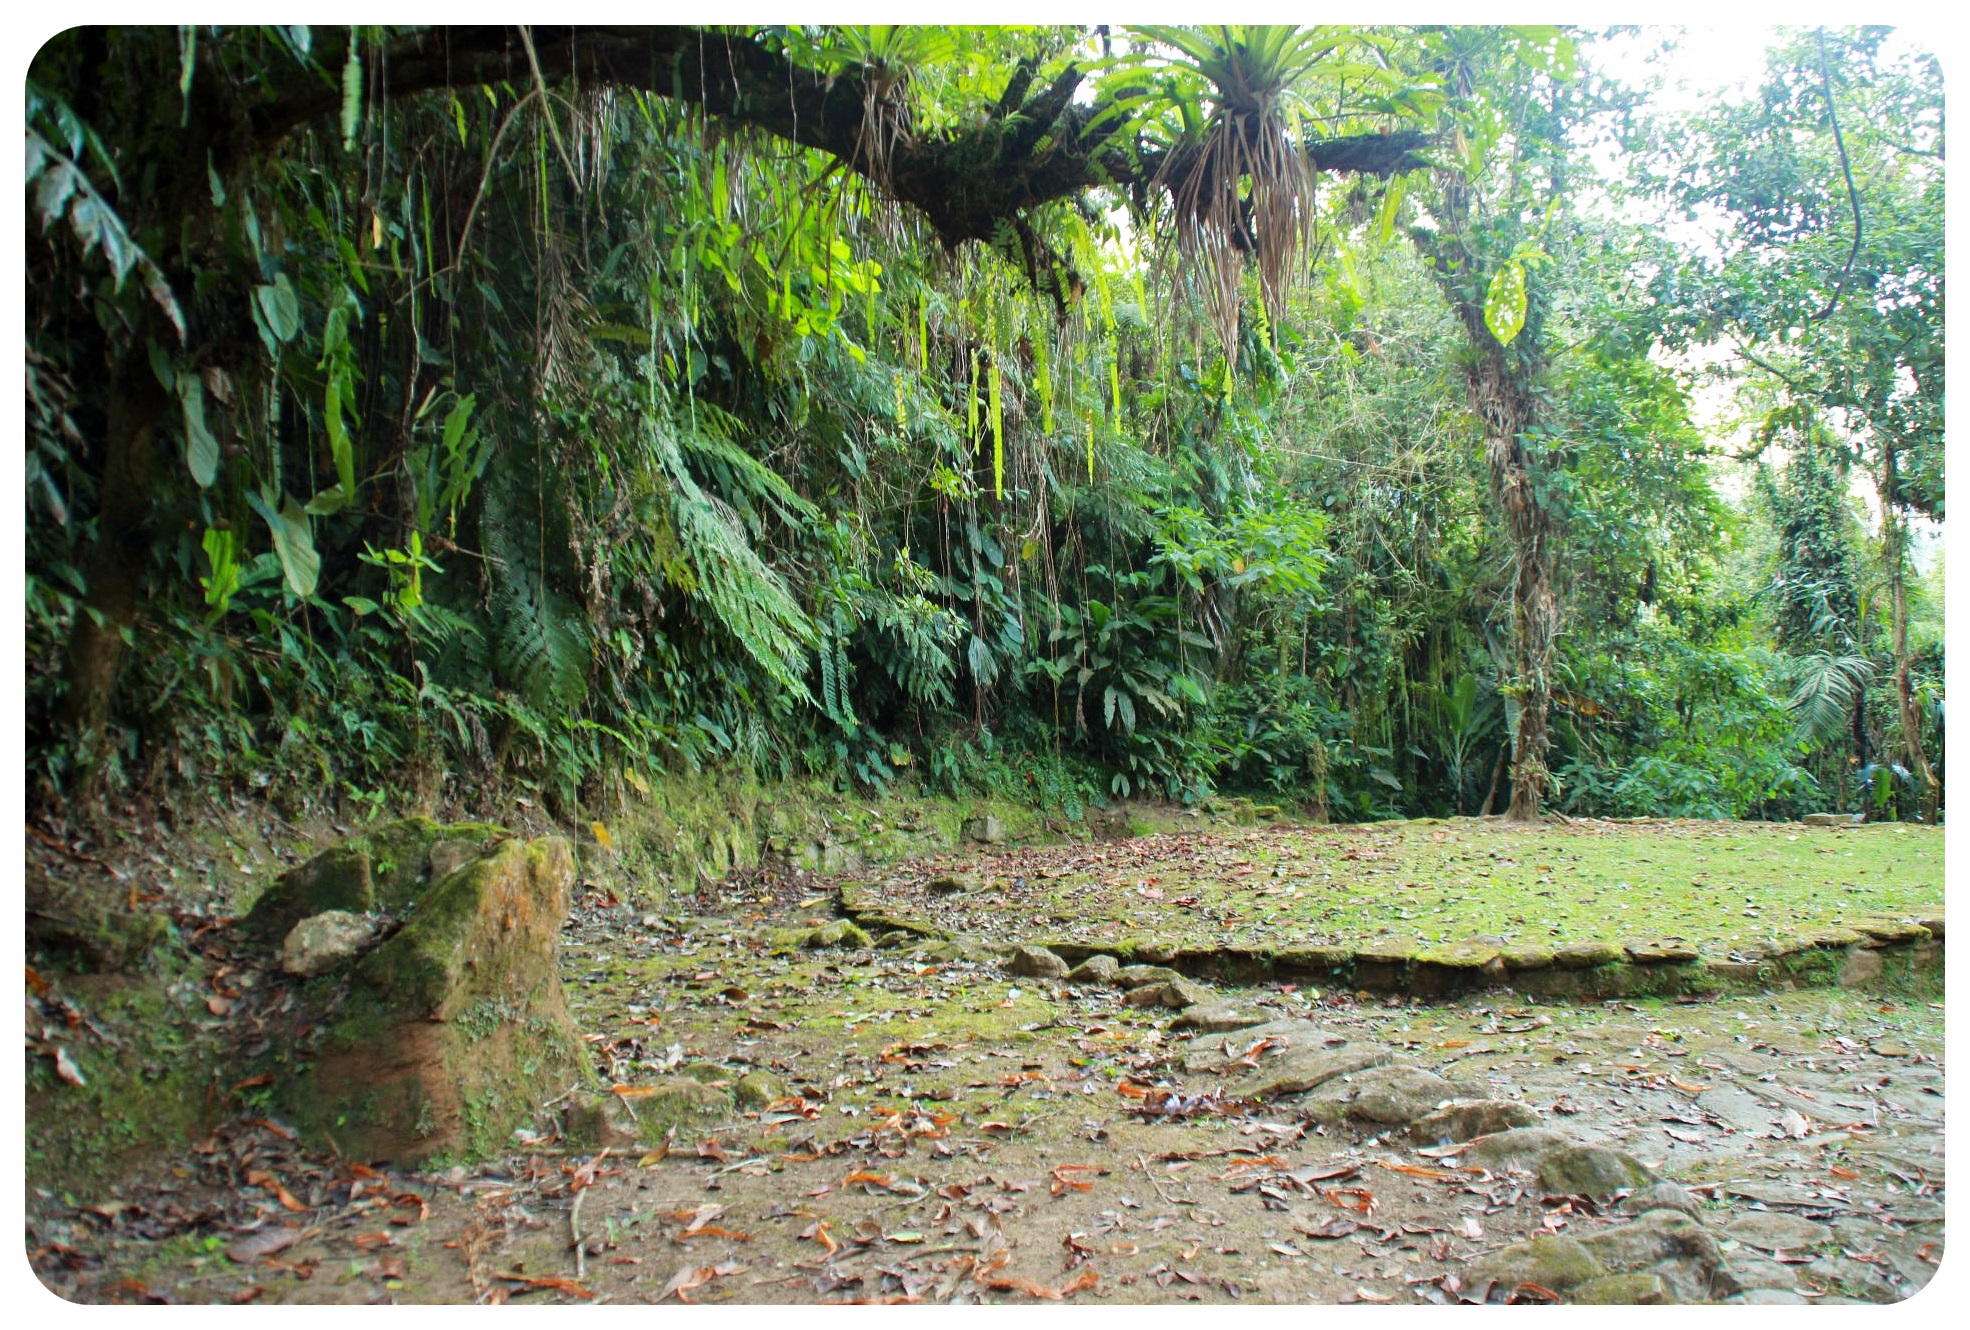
point(1582, 955)
point(1314, 959)
point(1140, 976)
point(1660, 952)
point(1308, 1067)
point(386, 869)
point(336, 879)
point(1037, 963)
point(841, 933)
point(1554, 1263)
point(1889, 932)
point(455, 1030)
point(1099, 968)
point(1590, 1170)
point(757, 1089)
point(1387, 951)
point(1468, 955)
point(1398, 1094)
point(1526, 956)
point(681, 1102)
point(1632, 1290)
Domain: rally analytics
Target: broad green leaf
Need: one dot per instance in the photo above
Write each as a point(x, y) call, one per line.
point(329, 502)
point(1504, 302)
point(201, 449)
point(280, 307)
point(294, 542)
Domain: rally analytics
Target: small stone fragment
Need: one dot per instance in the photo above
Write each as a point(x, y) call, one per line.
point(1178, 993)
point(989, 829)
point(1037, 963)
point(325, 941)
point(1099, 968)
point(1831, 820)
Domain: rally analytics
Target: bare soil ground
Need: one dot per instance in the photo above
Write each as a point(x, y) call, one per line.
point(942, 1130)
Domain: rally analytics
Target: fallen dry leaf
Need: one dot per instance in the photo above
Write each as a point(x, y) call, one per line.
point(554, 1282)
point(692, 1277)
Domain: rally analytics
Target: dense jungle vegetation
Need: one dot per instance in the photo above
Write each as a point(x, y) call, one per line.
point(415, 416)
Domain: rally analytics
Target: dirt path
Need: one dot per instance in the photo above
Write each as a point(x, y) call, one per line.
point(925, 1126)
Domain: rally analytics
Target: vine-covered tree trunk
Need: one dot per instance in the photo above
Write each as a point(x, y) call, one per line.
point(1505, 406)
point(1894, 539)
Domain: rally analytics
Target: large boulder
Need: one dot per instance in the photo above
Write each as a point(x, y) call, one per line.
point(385, 871)
point(454, 1030)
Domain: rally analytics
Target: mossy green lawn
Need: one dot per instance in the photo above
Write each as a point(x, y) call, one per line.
point(1722, 886)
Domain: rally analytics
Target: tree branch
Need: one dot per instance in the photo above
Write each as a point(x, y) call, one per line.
point(964, 181)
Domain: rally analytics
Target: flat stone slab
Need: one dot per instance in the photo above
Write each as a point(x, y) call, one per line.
point(1774, 1230)
point(1138, 976)
point(1467, 1119)
point(1520, 1147)
point(1397, 1095)
point(1387, 951)
point(1216, 1053)
point(1890, 931)
point(1314, 957)
point(1660, 953)
point(1526, 956)
point(1468, 955)
point(1301, 1069)
point(1223, 1015)
point(1581, 955)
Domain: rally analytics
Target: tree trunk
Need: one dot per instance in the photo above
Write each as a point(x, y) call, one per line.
point(1506, 408)
point(108, 615)
point(1894, 540)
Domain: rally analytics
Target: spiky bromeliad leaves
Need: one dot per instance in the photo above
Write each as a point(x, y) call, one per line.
point(1251, 135)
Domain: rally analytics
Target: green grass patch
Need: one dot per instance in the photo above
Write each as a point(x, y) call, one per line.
point(1723, 886)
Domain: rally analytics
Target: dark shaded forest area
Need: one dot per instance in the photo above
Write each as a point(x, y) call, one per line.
point(1385, 421)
